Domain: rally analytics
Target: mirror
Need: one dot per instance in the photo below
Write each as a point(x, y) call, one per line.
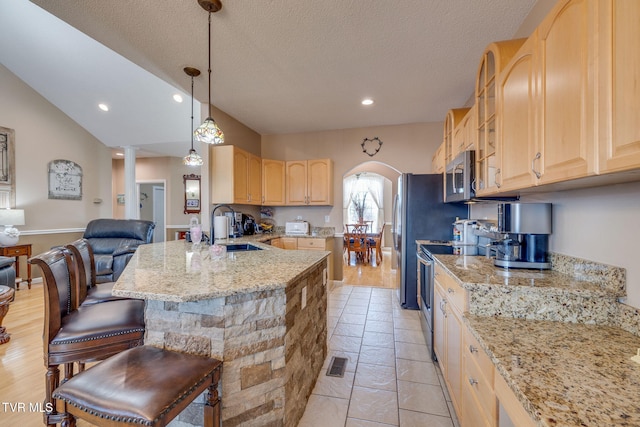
point(191, 194)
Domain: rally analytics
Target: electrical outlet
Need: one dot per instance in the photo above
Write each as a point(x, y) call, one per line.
point(304, 297)
point(327, 219)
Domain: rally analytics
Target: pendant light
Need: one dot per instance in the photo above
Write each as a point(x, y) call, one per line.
point(193, 158)
point(209, 132)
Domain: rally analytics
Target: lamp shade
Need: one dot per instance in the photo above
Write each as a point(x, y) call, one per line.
point(11, 216)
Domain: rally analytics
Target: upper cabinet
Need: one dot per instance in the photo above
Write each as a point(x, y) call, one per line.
point(437, 160)
point(618, 88)
point(451, 125)
point(273, 182)
point(235, 176)
point(309, 182)
point(546, 115)
point(494, 58)
point(566, 136)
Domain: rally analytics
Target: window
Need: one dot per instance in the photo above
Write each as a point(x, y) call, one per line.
point(363, 199)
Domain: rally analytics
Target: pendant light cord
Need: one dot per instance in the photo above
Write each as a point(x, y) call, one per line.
point(192, 111)
point(209, 64)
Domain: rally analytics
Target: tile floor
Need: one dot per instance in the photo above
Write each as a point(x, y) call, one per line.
point(390, 379)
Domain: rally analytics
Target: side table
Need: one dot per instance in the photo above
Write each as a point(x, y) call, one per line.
point(16, 252)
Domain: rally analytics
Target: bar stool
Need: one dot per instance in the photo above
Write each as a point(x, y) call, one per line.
point(145, 386)
point(6, 296)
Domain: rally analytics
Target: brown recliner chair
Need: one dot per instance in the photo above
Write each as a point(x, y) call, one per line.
point(84, 334)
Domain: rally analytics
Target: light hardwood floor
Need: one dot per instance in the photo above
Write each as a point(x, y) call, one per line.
point(369, 274)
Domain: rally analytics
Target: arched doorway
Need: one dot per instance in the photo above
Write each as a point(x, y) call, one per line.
point(373, 186)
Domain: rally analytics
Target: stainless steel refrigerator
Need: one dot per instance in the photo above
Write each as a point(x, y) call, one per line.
point(419, 213)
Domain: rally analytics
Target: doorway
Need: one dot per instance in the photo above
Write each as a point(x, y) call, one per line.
point(373, 184)
point(152, 206)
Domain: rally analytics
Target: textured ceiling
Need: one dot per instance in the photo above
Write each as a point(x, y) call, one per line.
point(282, 66)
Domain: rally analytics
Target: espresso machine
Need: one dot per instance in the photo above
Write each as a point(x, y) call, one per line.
point(524, 230)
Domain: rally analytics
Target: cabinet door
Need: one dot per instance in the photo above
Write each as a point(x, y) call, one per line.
point(277, 242)
point(254, 165)
point(619, 91)
point(296, 182)
point(567, 140)
point(273, 182)
point(240, 176)
point(289, 242)
point(516, 119)
point(453, 357)
point(320, 182)
point(439, 313)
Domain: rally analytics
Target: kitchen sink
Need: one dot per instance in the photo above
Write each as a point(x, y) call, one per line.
point(242, 247)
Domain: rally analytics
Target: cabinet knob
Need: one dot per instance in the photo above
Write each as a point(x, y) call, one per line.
point(472, 349)
point(473, 381)
point(451, 291)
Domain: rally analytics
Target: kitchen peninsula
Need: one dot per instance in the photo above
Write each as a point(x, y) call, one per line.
point(262, 312)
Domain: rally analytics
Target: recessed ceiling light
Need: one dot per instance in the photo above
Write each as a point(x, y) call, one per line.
point(177, 97)
point(367, 101)
point(103, 107)
point(119, 154)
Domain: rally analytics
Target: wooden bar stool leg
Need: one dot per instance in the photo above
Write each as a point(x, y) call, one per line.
point(51, 380)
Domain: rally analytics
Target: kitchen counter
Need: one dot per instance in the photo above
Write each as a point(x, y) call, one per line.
point(535, 294)
point(263, 313)
point(565, 374)
point(553, 338)
point(178, 271)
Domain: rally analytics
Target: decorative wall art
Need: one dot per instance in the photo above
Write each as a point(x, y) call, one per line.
point(371, 146)
point(7, 168)
point(65, 180)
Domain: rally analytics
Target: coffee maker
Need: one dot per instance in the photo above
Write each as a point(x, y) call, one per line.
point(525, 230)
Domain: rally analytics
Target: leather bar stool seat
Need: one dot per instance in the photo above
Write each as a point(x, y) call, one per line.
point(142, 386)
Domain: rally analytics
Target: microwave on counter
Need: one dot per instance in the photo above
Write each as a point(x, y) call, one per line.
point(459, 178)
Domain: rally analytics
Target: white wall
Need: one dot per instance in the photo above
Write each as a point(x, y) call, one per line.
point(598, 224)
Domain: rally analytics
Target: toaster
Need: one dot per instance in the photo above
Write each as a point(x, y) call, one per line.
point(297, 228)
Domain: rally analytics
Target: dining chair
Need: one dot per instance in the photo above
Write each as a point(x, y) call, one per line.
point(357, 243)
point(375, 243)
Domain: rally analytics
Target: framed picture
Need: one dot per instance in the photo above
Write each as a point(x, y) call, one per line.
point(65, 180)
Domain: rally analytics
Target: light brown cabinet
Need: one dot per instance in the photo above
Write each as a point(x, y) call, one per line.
point(309, 182)
point(479, 402)
point(450, 302)
point(273, 182)
point(494, 58)
point(452, 132)
point(437, 160)
point(618, 88)
point(235, 176)
point(566, 138)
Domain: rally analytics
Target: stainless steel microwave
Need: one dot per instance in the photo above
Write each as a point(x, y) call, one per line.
point(459, 178)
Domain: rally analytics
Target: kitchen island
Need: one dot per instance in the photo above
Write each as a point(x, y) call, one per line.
point(262, 312)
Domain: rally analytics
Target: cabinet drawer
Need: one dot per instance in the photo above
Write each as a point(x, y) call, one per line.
point(456, 295)
point(472, 413)
point(289, 242)
point(15, 252)
point(474, 352)
point(481, 387)
point(306, 243)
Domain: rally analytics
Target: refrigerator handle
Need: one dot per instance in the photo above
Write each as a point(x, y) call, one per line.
point(394, 222)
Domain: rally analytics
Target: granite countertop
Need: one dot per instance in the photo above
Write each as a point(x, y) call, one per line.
point(179, 271)
point(478, 273)
point(565, 374)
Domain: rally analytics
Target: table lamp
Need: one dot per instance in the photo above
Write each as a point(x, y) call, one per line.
point(10, 217)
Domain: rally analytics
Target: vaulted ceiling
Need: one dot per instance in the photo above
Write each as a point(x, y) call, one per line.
point(278, 66)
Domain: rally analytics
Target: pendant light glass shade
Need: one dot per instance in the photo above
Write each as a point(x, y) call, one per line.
point(193, 158)
point(209, 132)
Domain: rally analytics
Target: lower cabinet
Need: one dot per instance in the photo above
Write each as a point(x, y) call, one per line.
point(309, 244)
point(479, 403)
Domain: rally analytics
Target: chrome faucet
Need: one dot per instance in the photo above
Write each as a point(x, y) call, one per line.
point(233, 223)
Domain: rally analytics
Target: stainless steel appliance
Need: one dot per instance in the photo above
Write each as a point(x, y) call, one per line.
point(425, 272)
point(419, 213)
point(465, 241)
point(459, 178)
point(525, 229)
